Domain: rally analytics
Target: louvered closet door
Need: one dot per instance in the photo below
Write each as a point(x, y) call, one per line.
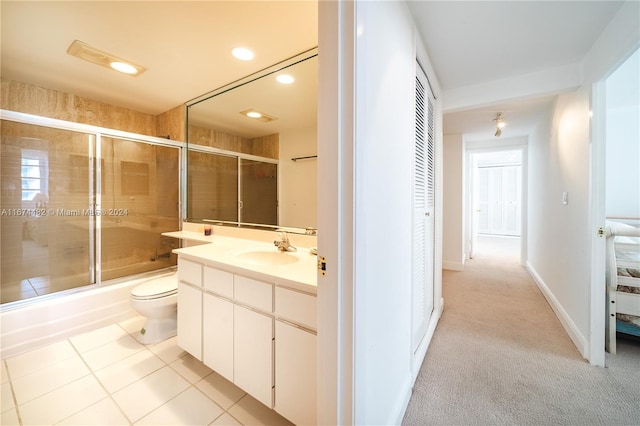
point(423, 210)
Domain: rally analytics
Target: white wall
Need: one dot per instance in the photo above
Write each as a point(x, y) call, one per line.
point(623, 140)
point(453, 253)
point(297, 180)
point(384, 137)
point(559, 243)
point(561, 236)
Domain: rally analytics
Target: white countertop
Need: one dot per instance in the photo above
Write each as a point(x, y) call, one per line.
point(221, 252)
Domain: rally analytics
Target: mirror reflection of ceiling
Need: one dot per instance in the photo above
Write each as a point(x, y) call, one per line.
point(293, 106)
point(185, 45)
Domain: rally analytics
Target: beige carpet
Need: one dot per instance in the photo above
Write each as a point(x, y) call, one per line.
point(500, 356)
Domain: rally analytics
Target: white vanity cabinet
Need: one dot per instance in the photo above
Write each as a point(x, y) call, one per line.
point(217, 321)
point(217, 335)
point(253, 353)
point(190, 318)
point(296, 356)
point(259, 335)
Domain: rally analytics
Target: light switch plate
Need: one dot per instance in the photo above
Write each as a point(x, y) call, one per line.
point(565, 198)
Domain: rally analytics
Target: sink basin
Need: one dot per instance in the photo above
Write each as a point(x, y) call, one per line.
point(266, 257)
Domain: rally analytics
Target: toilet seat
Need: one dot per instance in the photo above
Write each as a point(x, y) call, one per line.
point(156, 288)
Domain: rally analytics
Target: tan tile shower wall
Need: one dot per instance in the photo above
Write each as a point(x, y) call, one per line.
point(29, 99)
point(265, 146)
point(172, 124)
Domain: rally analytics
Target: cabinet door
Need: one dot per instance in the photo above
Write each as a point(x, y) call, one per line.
point(253, 353)
point(295, 368)
point(190, 319)
point(217, 335)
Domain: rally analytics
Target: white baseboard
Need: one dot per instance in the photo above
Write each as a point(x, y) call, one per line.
point(452, 266)
point(570, 327)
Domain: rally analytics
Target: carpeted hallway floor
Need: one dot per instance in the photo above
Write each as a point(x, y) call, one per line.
point(500, 356)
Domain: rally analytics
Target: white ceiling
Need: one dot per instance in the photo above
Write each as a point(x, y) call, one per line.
point(475, 45)
point(185, 46)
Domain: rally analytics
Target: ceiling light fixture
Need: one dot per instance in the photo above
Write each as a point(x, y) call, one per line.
point(123, 67)
point(500, 123)
point(257, 115)
point(285, 79)
point(91, 54)
point(242, 53)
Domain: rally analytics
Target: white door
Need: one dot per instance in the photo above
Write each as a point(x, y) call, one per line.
point(499, 199)
point(217, 335)
point(423, 211)
point(190, 320)
point(295, 374)
point(253, 353)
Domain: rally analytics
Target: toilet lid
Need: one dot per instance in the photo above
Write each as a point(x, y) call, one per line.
point(156, 288)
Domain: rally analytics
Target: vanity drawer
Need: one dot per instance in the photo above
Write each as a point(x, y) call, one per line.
point(297, 307)
point(253, 293)
point(219, 282)
point(190, 272)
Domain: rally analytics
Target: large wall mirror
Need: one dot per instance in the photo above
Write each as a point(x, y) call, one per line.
point(252, 146)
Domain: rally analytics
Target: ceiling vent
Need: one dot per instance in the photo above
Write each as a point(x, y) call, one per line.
point(91, 54)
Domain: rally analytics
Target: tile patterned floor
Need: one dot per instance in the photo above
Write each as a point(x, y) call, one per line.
point(105, 377)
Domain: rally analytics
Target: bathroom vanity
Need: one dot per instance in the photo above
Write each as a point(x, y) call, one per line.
point(249, 312)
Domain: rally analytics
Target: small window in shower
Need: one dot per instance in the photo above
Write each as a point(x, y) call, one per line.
point(34, 175)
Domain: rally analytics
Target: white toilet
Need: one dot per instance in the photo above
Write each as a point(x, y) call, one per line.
point(156, 300)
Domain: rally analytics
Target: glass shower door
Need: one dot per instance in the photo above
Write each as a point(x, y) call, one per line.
point(46, 229)
point(139, 196)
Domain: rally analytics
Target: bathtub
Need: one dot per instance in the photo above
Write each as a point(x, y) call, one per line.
point(63, 315)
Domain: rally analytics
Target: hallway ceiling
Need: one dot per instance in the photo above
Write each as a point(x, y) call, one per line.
point(474, 43)
point(186, 46)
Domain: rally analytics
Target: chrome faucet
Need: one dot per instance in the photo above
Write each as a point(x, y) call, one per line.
point(283, 244)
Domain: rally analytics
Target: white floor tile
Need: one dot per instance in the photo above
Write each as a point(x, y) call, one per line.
point(129, 370)
point(133, 325)
point(147, 394)
point(96, 338)
point(105, 412)
point(250, 411)
point(220, 390)
point(168, 350)
point(63, 402)
point(225, 420)
point(49, 378)
point(112, 352)
point(29, 362)
point(9, 418)
point(189, 408)
point(190, 368)
point(6, 397)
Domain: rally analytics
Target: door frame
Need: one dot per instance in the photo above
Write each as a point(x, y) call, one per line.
point(470, 228)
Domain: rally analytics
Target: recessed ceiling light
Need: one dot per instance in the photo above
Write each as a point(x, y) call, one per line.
point(242, 53)
point(285, 79)
point(260, 116)
point(91, 54)
point(123, 67)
